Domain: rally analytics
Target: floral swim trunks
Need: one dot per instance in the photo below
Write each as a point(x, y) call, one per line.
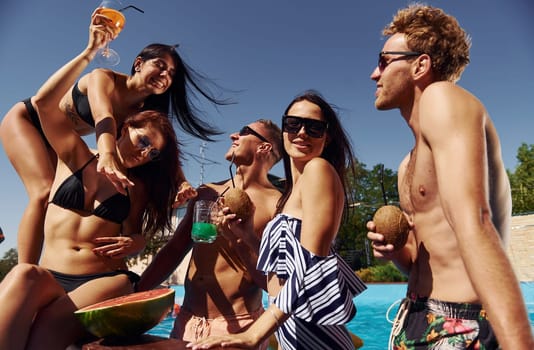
point(425, 323)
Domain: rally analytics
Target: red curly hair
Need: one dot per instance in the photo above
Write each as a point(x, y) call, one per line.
point(430, 30)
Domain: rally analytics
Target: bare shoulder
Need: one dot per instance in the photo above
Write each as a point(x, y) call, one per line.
point(318, 164)
point(98, 76)
point(318, 170)
point(447, 106)
point(442, 87)
point(102, 73)
point(105, 75)
point(318, 175)
point(449, 95)
point(267, 196)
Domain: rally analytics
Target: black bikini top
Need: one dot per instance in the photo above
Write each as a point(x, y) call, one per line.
point(81, 103)
point(71, 195)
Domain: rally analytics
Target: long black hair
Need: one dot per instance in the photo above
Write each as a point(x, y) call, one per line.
point(337, 151)
point(158, 177)
point(186, 83)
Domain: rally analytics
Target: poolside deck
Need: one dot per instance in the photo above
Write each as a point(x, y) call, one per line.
point(521, 247)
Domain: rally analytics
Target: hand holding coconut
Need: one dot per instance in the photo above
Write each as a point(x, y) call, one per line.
point(391, 223)
point(238, 211)
point(239, 203)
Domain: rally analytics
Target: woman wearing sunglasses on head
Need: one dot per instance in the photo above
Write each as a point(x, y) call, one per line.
point(90, 227)
point(310, 287)
point(100, 102)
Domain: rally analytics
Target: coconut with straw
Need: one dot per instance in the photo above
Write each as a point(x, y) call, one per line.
point(390, 221)
point(236, 199)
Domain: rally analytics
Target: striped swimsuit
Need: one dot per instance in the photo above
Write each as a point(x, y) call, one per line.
point(317, 292)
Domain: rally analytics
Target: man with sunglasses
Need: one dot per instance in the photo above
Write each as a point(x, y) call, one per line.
point(223, 289)
point(462, 290)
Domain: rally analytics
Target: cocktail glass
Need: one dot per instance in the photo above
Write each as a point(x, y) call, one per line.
point(111, 9)
point(205, 217)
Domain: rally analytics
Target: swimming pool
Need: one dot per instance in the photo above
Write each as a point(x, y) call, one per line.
point(370, 322)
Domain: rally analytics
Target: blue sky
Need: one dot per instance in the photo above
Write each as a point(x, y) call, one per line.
point(265, 53)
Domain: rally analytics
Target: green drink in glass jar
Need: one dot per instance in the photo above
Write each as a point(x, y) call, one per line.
point(204, 221)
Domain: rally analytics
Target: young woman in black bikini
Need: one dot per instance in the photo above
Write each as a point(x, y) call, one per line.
point(89, 226)
point(100, 102)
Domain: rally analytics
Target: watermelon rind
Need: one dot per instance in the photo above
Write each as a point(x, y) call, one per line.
point(128, 315)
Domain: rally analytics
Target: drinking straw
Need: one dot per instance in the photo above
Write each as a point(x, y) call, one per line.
point(133, 7)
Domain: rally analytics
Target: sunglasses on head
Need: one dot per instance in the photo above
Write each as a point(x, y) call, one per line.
point(247, 130)
point(144, 145)
point(383, 63)
point(313, 127)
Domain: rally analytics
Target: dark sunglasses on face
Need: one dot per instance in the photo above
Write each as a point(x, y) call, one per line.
point(313, 127)
point(144, 144)
point(247, 130)
point(383, 63)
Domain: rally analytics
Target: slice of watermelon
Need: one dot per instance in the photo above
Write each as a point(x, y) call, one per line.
point(128, 315)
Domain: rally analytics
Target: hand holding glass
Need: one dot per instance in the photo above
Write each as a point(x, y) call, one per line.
point(205, 218)
point(111, 9)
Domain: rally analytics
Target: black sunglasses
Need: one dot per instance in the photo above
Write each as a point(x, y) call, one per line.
point(383, 63)
point(144, 144)
point(313, 127)
point(247, 130)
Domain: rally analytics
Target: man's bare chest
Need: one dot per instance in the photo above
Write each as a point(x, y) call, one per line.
point(419, 187)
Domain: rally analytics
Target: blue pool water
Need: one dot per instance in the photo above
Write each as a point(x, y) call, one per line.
point(370, 322)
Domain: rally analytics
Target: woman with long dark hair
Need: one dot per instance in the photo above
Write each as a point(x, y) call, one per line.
point(100, 102)
point(89, 226)
point(310, 287)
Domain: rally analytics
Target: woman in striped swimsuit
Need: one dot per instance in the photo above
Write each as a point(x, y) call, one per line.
point(310, 287)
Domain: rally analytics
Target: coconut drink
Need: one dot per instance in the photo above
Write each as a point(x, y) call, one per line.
point(391, 222)
point(239, 203)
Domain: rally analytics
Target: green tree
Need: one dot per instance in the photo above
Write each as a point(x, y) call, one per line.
point(386, 272)
point(8, 261)
point(370, 189)
point(522, 180)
